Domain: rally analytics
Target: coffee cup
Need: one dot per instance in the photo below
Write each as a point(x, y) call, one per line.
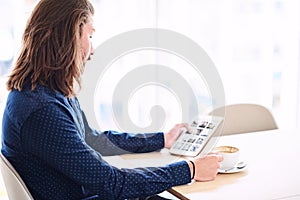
point(230, 156)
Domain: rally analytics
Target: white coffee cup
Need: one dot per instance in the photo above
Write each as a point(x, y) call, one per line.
point(230, 156)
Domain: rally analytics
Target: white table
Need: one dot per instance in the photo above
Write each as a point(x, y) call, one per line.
point(272, 172)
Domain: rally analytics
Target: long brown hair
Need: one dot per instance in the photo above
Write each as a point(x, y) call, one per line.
point(51, 52)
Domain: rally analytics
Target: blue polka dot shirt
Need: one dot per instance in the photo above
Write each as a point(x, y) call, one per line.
point(47, 139)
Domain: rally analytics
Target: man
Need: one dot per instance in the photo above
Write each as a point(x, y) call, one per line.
point(46, 136)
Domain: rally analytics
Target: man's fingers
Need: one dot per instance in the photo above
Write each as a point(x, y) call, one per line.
point(213, 152)
point(220, 158)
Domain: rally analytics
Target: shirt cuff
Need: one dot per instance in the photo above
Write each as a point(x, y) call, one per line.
point(161, 142)
point(180, 172)
point(155, 141)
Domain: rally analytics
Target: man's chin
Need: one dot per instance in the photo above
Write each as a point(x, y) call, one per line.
point(84, 63)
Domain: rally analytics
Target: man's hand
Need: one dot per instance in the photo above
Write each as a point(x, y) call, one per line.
point(206, 168)
point(172, 135)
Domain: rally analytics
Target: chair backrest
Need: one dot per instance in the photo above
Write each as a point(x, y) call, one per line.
point(244, 118)
point(15, 187)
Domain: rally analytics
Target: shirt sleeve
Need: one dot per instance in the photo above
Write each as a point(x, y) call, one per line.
point(115, 143)
point(51, 135)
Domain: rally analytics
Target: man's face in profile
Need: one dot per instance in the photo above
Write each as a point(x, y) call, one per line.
point(86, 40)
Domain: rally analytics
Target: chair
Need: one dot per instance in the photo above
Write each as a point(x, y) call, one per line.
point(15, 187)
point(244, 118)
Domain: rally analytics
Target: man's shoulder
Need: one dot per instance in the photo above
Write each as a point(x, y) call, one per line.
point(34, 98)
point(20, 104)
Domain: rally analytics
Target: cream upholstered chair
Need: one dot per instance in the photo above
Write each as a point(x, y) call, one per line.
point(15, 187)
point(244, 118)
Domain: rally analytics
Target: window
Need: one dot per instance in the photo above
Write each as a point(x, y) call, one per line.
point(254, 49)
point(254, 45)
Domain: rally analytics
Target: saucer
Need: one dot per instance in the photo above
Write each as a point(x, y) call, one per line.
point(241, 166)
